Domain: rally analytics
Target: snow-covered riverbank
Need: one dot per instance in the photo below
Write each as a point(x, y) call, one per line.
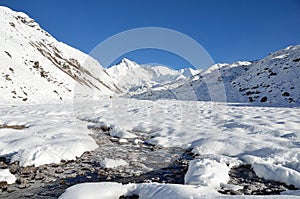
point(223, 135)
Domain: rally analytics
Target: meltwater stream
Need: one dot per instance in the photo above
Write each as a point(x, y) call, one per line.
point(146, 163)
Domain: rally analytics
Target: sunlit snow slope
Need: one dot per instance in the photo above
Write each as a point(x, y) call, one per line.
point(36, 67)
point(274, 80)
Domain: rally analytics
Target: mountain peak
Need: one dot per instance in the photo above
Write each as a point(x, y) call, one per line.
point(189, 72)
point(128, 62)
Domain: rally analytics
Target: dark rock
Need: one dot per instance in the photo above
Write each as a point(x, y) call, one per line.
point(59, 170)
point(3, 159)
point(264, 99)
point(28, 170)
point(14, 168)
point(102, 172)
point(23, 183)
point(296, 60)
point(39, 176)
point(134, 196)
point(3, 185)
point(54, 165)
point(3, 165)
point(286, 94)
point(10, 189)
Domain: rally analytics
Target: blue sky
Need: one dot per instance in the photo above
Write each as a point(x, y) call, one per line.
point(229, 30)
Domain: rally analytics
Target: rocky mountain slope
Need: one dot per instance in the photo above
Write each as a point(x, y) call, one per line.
point(36, 67)
point(272, 80)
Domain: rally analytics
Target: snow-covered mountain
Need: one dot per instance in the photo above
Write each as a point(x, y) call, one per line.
point(272, 80)
point(36, 67)
point(189, 72)
point(133, 77)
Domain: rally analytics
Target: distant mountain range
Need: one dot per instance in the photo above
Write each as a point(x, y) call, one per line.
point(271, 80)
point(35, 67)
point(133, 77)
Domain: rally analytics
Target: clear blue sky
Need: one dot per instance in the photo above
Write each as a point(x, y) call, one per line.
point(229, 30)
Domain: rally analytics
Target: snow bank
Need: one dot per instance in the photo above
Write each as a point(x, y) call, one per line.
point(170, 191)
point(210, 172)
point(277, 173)
point(117, 132)
point(207, 173)
point(109, 190)
point(52, 133)
point(104, 190)
point(5, 175)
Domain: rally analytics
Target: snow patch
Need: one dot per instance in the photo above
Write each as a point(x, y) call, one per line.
point(6, 176)
point(112, 163)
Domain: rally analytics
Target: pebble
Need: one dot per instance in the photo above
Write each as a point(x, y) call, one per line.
point(59, 170)
point(14, 168)
point(28, 170)
point(3, 165)
point(39, 176)
point(3, 185)
point(23, 183)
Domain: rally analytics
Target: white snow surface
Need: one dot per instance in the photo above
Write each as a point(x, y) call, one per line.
point(291, 192)
point(109, 190)
point(6, 176)
point(207, 173)
point(35, 67)
point(51, 133)
point(113, 163)
point(278, 173)
point(104, 190)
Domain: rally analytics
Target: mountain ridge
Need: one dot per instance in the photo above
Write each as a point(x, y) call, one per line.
point(270, 81)
point(37, 67)
point(134, 77)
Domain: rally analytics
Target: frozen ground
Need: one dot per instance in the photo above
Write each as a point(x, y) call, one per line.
point(222, 136)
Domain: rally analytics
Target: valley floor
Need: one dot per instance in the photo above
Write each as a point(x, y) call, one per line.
point(145, 136)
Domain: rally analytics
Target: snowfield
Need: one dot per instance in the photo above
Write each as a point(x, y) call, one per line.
point(223, 135)
point(42, 134)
